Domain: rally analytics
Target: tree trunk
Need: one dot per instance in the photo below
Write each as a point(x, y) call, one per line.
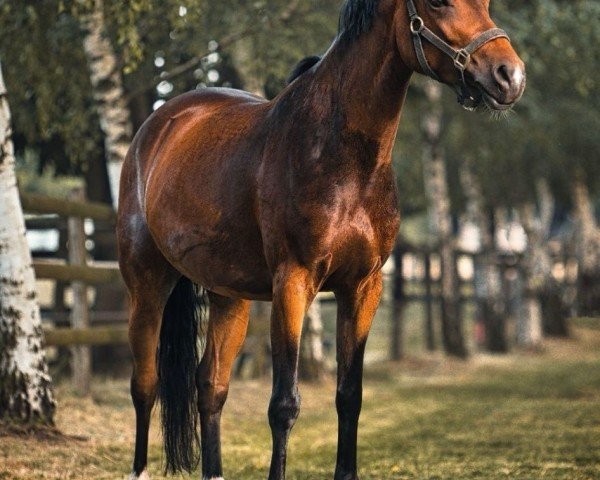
point(437, 190)
point(488, 277)
point(244, 60)
point(115, 122)
point(312, 359)
point(107, 359)
point(548, 290)
point(25, 386)
point(555, 310)
point(537, 267)
point(429, 331)
point(254, 360)
point(107, 88)
point(588, 250)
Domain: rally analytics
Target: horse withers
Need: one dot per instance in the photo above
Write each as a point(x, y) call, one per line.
point(277, 200)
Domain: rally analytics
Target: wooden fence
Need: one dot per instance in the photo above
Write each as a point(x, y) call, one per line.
point(79, 273)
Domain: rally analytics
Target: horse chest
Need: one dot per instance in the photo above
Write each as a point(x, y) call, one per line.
point(366, 235)
point(356, 228)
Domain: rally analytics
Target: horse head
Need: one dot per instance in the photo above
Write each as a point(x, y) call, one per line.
point(457, 43)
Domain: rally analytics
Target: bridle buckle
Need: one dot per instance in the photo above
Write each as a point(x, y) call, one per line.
point(416, 25)
point(462, 59)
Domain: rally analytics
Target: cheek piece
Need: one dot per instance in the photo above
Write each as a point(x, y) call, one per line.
point(461, 56)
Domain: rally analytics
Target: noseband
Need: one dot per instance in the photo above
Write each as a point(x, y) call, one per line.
point(460, 57)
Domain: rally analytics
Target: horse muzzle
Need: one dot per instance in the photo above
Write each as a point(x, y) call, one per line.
point(501, 86)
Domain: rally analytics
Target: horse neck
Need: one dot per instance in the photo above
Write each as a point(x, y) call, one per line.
point(368, 82)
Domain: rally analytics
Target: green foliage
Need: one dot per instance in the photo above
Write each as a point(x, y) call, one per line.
point(41, 47)
point(47, 83)
point(30, 180)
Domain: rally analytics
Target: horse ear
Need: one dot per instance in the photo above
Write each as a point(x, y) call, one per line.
point(303, 66)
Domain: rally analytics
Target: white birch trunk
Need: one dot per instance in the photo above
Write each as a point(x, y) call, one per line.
point(588, 249)
point(107, 87)
point(245, 58)
point(436, 186)
point(488, 277)
point(588, 231)
point(529, 331)
point(25, 386)
point(540, 281)
point(537, 267)
point(312, 360)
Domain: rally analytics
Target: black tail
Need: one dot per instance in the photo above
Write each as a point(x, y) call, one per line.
point(177, 361)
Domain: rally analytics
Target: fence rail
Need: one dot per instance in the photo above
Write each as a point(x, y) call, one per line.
point(68, 216)
point(68, 337)
point(35, 203)
point(94, 274)
point(76, 271)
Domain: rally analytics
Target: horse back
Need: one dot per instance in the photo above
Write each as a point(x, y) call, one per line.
point(171, 131)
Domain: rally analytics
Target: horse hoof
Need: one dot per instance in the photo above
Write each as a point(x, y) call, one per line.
point(142, 476)
point(213, 478)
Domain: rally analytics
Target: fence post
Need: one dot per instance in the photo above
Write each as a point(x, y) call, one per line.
point(81, 354)
point(429, 330)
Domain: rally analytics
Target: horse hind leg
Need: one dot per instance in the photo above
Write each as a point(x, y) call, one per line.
point(228, 322)
point(150, 280)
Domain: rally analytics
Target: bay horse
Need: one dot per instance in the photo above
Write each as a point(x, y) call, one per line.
point(250, 199)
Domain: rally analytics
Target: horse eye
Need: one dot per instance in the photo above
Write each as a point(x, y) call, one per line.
point(438, 3)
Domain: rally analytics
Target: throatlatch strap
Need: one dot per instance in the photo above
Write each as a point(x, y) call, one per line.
point(420, 51)
point(412, 10)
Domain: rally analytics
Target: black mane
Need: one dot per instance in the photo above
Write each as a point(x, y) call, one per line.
point(303, 66)
point(357, 17)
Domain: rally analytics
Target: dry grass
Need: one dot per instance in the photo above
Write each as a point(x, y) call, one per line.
point(523, 416)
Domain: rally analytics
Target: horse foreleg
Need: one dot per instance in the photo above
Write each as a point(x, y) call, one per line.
point(291, 295)
point(356, 309)
point(227, 328)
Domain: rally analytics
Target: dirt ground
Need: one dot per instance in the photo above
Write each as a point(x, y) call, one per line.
point(521, 416)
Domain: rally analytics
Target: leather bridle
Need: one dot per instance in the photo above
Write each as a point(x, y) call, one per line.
point(461, 57)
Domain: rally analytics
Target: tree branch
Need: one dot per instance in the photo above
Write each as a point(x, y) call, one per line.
point(191, 63)
point(227, 41)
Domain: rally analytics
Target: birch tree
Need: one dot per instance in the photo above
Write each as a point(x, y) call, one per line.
point(588, 248)
point(436, 186)
point(312, 358)
point(25, 387)
point(108, 93)
point(536, 266)
point(488, 277)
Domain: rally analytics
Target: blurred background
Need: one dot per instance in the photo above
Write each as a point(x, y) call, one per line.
point(498, 258)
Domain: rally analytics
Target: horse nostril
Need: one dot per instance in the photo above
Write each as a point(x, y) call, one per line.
point(510, 79)
point(503, 75)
